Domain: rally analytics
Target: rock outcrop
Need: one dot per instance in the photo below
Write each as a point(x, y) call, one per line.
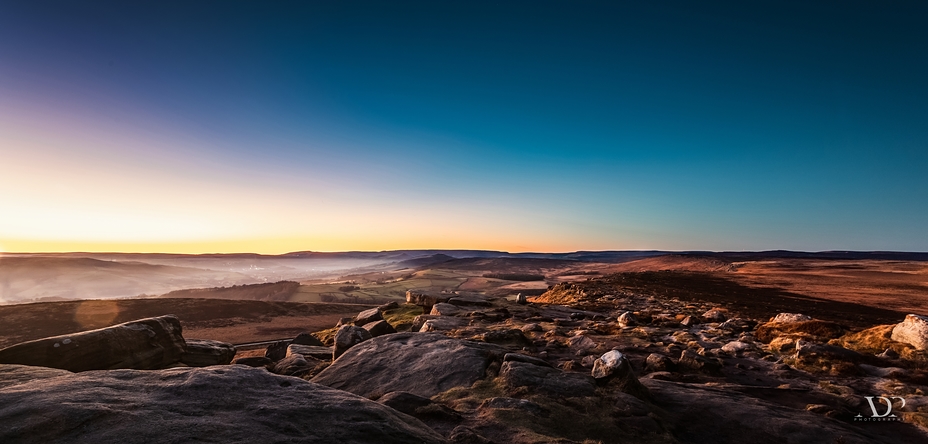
point(212, 404)
point(913, 331)
point(151, 343)
point(348, 336)
point(423, 364)
point(204, 353)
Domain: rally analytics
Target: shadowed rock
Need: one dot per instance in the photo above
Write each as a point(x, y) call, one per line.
point(150, 343)
point(277, 351)
point(253, 361)
point(204, 353)
point(379, 328)
point(424, 364)
point(613, 368)
point(417, 406)
point(445, 309)
point(692, 361)
point(307, 339)
point(312, 351)
point(295, 365)
point(348, 336)
point(546, 380)
point(213, 404)
point(368, 316)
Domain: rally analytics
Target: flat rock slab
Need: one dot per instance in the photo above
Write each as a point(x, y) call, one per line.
point(546, 380)
point(150, 343)
point(205, 352)
point(310, 351)
point(707, 414)
point(210, 404)
point(423, 364)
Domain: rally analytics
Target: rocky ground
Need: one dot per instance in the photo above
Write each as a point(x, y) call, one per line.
point(598, 361)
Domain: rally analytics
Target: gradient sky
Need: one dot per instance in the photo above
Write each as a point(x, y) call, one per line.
point(218, 126)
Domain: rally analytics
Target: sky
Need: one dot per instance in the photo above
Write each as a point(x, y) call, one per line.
point(221, 126)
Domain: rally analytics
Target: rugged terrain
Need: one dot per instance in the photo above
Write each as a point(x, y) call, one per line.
point(672, 349)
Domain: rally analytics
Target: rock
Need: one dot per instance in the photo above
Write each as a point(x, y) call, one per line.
point(531, 327)
point(344, 321)
point(277, 351)
point(688, 321)
point(348, 336)
point(13, 374)
point(424, 364)
point(790, 317)
point(658, 363)
point(150, 343)
point(709, 414)
point(307, 339)
point(738, 325)
point(627, 319)
point(368, 316)
point(310, 351)
point(212, 404)
point(204, 353)
point(442, 323)
point(295, 365)
point(379, 328)
point(613, 368)
point(426, 299)
point(692, 361)
point(419, 321)
point(527, 359)
point(546, 380)
point(737, 347)
point(466, 435)
point(521, 299)
point(445, 309)
point(392, 305)
point(512, 337)
point(714, 316)
point(913, 331)
point(253, 361)
point(581, 343)
point(417, 406)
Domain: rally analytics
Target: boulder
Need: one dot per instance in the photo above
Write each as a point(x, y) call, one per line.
point(368, 316)
point(913, 331)
point(546, 380)
point(513, 337)
point(419, 321)
point(392, 305)
point(426, 299)
point(814, 330)
point(688, 321)
point(14, 374)
point(695, 362)
point(379, 328)
point(310, 351)
point(443, 323)
point(150, 343)
point(295, 365)
point(212, 404)
point(307, 339)
point(348, 336)
point(613, 368)
point(627, 319)
point(790, 317)
point(737, 347)
point(738, 325)
point(714, 316)
point(521, 299)
point(424, 364)
point(658, 363)
point(702, 413)
point(445, 309)
point(523, 358)
point(277, 351)
point(204, 353)
point(581, 343)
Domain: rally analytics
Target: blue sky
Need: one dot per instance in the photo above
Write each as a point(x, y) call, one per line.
point(225, 126)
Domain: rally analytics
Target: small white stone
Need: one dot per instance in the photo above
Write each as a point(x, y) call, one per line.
point(57, 345)
point(66, 341)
